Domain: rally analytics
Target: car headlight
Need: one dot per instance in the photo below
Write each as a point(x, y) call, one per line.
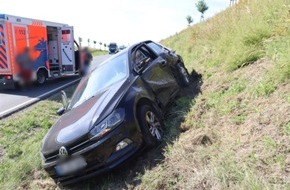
point(108, 124)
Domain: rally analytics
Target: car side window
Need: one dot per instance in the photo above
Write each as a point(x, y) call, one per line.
point(139, 56)
point(156, 48)
point(142, 58)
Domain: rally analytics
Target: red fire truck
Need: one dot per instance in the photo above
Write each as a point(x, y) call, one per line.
point(53, 50)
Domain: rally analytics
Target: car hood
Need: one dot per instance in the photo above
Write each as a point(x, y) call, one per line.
point(73, 127)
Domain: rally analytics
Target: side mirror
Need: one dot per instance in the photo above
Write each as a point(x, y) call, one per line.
point(60, 111)
point(64, 99)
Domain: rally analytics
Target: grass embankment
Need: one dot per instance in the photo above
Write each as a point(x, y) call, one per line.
point(238, 130)
point(20, 141)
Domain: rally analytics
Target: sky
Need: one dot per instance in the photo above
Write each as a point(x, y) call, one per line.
point(121, 21)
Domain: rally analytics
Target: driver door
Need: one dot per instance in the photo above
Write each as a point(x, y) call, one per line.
point(158, 76)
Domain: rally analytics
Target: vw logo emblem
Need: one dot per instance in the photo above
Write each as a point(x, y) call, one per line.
point(62, 152)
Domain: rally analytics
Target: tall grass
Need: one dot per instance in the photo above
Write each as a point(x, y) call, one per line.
point(243, 55)
point(238, 37)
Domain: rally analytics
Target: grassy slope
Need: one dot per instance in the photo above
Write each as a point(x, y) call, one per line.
point(238, 130)
point(20, 141)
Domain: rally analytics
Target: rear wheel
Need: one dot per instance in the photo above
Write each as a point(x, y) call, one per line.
point(41, 77)
point(151, 125)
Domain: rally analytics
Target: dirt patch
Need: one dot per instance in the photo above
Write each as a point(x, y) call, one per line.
point(198, 138)
point(256, 71)
point(202, 139)
point(43, 184)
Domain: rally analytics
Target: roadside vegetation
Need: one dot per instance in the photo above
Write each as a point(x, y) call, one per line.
point(97, 52)
point(20, 141)
point(236, 134)
point(229, 130)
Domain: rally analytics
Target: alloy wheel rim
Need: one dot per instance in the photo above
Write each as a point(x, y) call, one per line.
point(154, 125)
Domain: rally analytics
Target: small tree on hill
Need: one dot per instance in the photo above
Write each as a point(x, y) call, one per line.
point(232, 2)
point(201, 7)
point(189, 20)
point(100, 45)
point(95, 44)
point(105, 45)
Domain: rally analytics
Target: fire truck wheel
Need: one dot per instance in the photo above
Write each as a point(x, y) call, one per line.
point(41, 77)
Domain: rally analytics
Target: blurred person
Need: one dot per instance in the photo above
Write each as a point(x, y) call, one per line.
point(87, 59)
point(25, 64)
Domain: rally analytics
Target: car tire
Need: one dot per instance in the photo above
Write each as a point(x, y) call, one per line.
point(41, 77)
point(151, 124)
point(183, 77)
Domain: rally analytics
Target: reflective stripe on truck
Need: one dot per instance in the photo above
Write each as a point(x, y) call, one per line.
point(3, 53)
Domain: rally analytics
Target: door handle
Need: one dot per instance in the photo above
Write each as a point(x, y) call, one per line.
point(163, 63)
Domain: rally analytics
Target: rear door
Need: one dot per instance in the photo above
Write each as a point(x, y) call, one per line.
point(158, 76)
point(4, 63)
point(169, 56)
point(67, 49)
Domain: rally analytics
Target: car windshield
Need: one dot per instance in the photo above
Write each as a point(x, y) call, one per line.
point(107, 74)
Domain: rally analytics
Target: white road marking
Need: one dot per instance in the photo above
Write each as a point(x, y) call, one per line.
point(33, 100)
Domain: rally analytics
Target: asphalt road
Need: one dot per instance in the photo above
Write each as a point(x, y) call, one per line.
point(12, 101)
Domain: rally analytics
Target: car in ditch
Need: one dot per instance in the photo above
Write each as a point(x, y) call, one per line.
point(116, 110)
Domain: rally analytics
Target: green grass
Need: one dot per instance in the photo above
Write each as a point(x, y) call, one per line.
point(21, 136)
point(243, 55)
point(239, 37)
point(97, 52)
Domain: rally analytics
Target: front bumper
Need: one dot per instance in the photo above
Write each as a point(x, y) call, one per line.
point(100, 156)
point(112, 50)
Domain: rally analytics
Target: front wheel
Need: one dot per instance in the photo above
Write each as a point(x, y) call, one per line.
point(183, 77)
point(151, 125)
point(41, 77)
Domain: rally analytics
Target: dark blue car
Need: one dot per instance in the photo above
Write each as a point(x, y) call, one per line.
point(115, 111)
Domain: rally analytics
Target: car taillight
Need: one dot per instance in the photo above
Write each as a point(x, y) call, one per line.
point(8, 77)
